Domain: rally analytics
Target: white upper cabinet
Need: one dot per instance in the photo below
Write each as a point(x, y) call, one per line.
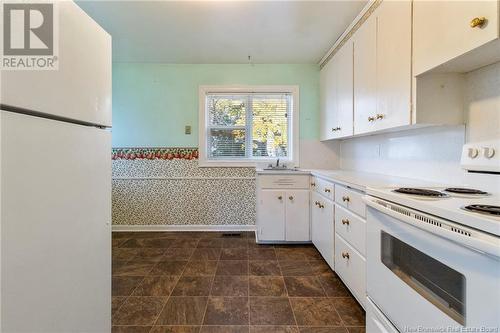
point(393, 65)
point(337, 95)
point(344, 62)
point(453, 31)
point(365, 76)
point(382, 69)
point(328, 101)
point(385, 49)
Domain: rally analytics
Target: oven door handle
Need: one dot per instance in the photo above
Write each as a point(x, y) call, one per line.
point(490, 248)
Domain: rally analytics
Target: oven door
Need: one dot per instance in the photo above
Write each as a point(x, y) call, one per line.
point(420, 280)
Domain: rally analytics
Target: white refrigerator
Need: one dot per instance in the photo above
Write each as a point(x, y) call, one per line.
point(55, 177)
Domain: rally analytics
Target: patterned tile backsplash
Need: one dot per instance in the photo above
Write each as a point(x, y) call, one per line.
point(165, 186)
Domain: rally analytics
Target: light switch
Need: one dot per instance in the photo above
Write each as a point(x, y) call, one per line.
point(187, 129)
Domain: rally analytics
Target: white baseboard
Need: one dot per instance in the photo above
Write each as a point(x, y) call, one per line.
point(183, 227)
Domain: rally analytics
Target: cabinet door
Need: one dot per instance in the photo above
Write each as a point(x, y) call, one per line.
point(322, 216)
point(442, 30)
point(365, 68)
point(328, 100)
point(297, 216)
point(344, 84)
point(271, 215)
point(393, 64)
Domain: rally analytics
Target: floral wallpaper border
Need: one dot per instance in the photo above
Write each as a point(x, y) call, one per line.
point(154, 153)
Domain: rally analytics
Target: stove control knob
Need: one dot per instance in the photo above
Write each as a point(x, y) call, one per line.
point(488, 152)
point(473, 152)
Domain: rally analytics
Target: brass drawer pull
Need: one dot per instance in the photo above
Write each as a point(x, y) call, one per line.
point(345, 199)
point(313, 184)
point(478, 22)
point(280, 197)
point(380, 116)
point(345, 255)
point(327, 190)
point(316, 203)
point(290, 197)
point(345, 221)
point(371, 118)
point(321, 206)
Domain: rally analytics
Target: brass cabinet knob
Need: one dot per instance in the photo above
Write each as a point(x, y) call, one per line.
point(335, 129)
point(316, 203)
point(345, 199)
point(327, 190)
point(370, 118)
point(478, 22)
point(290, 197)
point(280, 197)
point(345, 255)
point(345, 221)
point(321, 206)
point(380, 116)
point(313, 184)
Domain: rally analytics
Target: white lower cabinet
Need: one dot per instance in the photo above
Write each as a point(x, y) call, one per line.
point(283, 212)
point(322, 225)
point(351, 227)
point(297, 227)
point(271, 215)
point(350, 265)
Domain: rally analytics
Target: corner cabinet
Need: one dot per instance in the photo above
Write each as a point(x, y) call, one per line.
point(283, 208)
point(337, 96)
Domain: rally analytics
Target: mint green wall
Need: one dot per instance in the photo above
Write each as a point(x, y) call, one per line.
point(153, 102)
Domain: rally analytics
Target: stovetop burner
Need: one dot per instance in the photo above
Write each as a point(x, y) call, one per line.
point(464, 190)
point(484, 209)
point(421, 192)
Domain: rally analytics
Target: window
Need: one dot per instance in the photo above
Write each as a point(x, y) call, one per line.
point(244, 126)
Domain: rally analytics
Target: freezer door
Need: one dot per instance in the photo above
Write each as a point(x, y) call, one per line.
point(81, 88)
point(55, 226)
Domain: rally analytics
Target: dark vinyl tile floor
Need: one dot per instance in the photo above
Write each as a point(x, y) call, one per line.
point(205, 282)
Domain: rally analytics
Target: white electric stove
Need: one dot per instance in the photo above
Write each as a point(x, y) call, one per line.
point(433, 254)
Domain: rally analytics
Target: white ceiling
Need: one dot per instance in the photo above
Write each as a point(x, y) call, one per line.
point(222, 31)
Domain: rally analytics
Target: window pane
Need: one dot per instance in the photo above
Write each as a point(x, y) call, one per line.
point(226, 143)
point(226, 110)
point(270, 125)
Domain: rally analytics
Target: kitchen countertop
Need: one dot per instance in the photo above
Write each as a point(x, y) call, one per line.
point(381, 186)
point(357, 180)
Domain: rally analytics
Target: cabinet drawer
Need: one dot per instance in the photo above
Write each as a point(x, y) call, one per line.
point(323, 187)
point(284, 181)
point(351, 267)
point(350, 199)
point(351, 227)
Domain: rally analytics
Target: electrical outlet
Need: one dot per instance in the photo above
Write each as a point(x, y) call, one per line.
point(187, 129)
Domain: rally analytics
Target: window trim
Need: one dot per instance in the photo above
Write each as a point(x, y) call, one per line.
point(293, 128)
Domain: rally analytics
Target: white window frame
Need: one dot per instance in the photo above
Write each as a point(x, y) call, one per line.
point(293, 127)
